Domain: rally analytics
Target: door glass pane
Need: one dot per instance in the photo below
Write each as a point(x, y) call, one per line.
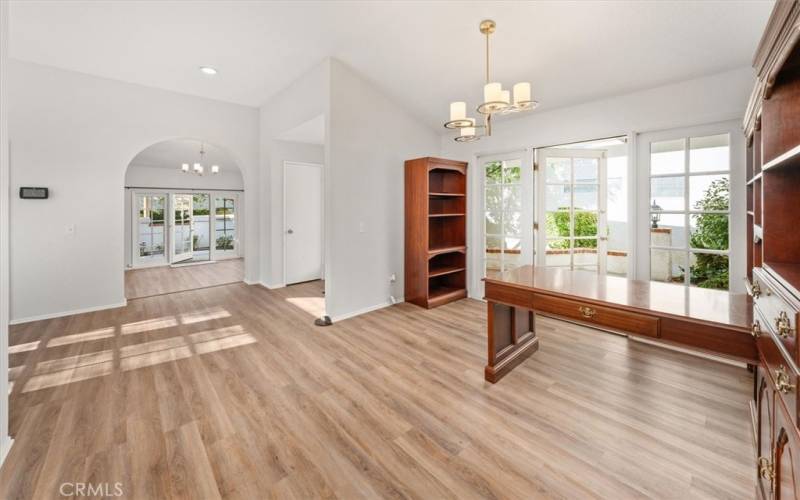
point(586, 197)
point(557, 197)
point(670, 230)
point(557, 253)
point(494, 172)
point(512, 224)
point(709, 192)
point(667, 157)
point(224, 223)
point(585, 252)
point(586, 170)
point(151, 211)
point(512, 171)
point(667, 265)
point(667, 193)
point(585, 223)
point(512, 200)
point(710, 153)
point(557, 224)
point(557, 170)
point(709, 270)
point(709, 231)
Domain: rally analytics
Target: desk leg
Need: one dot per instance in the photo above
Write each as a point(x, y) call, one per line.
point(511, 339)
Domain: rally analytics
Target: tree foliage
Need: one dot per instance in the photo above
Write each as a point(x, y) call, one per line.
point(709, 270)
point(558, 227)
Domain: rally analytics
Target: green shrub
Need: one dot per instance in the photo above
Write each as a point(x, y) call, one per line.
point(711, 271)
point(557, 224)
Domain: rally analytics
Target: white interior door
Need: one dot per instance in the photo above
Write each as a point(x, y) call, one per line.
point(572, 197)
point(181, 228)
point(302, 231)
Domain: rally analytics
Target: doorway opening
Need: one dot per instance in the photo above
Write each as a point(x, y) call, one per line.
point(178, 215)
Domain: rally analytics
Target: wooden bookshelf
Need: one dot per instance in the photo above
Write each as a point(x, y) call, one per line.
point(436, 231)
point(772, 128)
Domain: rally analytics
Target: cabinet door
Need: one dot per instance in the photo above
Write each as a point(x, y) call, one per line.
point(786, 458)
point(765, 408)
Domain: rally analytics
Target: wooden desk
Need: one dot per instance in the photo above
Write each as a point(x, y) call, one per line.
point(713, 321)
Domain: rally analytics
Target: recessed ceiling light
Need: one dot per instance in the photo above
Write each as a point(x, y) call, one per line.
point(208, 70)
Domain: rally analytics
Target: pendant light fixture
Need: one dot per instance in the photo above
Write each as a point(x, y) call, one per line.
point(198, 168)
point(495, 101)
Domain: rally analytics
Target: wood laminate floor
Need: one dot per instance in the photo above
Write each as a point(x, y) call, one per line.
point(231, 392)
point(165, 279)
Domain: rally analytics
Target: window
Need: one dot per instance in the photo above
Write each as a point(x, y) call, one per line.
point(690, 211)
point(503, 213)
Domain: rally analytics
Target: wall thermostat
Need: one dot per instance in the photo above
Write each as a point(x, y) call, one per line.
point(34, 193)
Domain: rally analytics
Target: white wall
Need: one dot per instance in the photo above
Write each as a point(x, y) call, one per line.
point(5, 441)
point(76, 134)
point(306, 98)
point(171, 178)
point(369, 138)
point(710, 99)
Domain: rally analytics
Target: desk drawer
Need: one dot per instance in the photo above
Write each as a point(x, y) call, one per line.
point(509, 295)
point(601, 316)
point(778, 313)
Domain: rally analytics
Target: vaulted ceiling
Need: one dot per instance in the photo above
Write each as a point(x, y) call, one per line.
point(422, 54)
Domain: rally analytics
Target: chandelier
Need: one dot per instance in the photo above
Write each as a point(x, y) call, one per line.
point(198, 168)
point(495, 101)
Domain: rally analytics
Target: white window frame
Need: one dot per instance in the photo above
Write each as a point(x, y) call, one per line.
point(736, 211)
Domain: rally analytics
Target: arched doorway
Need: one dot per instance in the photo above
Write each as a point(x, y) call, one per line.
point(184, 206)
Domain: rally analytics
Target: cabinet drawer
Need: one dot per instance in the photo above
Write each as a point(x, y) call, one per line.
point(780, 371)
point(508, 295)
point(616, 319)
point(779, 315)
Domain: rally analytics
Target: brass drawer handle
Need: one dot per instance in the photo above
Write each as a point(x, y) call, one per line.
point(587, 312)
point(783, 326)
point(754, 289)
point(765, 469)
point(756, 332)
point(782, 380)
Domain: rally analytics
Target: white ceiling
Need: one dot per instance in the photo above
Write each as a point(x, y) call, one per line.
point(311, 132)
point(173, 153)
point(423, 54)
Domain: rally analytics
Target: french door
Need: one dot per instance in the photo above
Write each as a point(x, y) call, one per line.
point(182, 228)
point(150, 237)
point(572, 208)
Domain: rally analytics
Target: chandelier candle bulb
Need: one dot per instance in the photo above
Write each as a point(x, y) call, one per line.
point(185, 168)
point(522, 92)
point(492, 92)
point(214, 169)
point(458, 110)
point(196, 167)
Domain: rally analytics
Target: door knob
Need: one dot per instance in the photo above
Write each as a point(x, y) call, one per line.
point(290, 231)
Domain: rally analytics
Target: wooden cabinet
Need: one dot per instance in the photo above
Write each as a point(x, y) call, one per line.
point(435, 231)
point(772, 127)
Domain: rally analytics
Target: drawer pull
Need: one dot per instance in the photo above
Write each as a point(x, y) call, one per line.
point(765, 469)
point(753, 289)
point(756, 332)
point(587, 312)
point(783, 326)
point(782, 381)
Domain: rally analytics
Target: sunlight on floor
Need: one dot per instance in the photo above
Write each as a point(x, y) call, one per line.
point(75, 368)
point(315, 306)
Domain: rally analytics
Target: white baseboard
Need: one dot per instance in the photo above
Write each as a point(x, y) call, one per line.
point(251, 282)
point(5, 447)
point(273, 286)
point(40, 317)
point(359, 312)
